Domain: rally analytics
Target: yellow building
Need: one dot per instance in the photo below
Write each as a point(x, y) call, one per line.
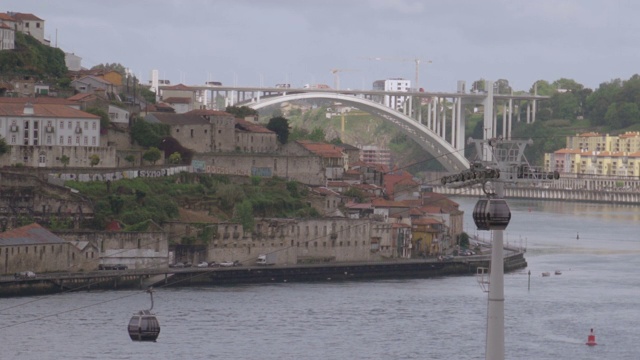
point(604, 163)
point(425, 235)
point(597, 154)
point(113, 77)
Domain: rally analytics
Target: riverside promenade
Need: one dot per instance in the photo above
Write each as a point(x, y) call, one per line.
point(50, 283)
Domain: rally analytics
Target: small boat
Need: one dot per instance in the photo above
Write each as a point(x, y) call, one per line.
point(558, 272)
point(546, 273)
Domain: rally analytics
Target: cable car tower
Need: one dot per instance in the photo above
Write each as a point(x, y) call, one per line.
point(503, 161)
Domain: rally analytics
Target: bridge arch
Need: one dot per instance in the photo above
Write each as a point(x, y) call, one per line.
point(450, 158)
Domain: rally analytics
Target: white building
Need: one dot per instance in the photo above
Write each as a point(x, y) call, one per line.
point(31, 25)
point(40, 134)
point(73, 61)
point(7, 32)
point(397, 85)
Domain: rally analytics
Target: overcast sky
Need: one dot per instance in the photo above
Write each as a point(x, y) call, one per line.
point(253, 42)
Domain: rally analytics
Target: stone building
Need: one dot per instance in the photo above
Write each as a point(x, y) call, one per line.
point(136, 250)
point(34, 248)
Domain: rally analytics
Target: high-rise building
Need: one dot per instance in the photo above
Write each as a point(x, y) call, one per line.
point(397, 84)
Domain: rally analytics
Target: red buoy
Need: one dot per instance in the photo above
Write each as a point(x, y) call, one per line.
point(591, 339)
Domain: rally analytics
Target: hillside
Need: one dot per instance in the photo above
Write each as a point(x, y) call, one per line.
point(194, 198)
point(30, 57)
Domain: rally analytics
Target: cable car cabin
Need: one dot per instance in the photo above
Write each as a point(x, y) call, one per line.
point(144, 326)
point(491, 214)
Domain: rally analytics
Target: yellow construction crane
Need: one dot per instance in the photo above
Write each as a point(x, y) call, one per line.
point(336, 77)
point(417, 61)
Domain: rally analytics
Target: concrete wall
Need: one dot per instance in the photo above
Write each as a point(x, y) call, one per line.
point(49, 156)
point(137, 250)
point(302, 241)
point(305, 169)
point(37, 258)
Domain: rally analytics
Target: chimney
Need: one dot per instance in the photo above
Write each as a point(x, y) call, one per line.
point(28, 109)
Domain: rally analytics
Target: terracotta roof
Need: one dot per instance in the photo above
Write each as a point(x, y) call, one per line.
point(425, 221)
point(251, 127)
point(6, 17)
point(5, 26)
point(159, 107)
point(322, 149)
point(361, 206)
point(32, 234)
point(177, 100)
point(629, 134)
point(177, 87)
point(81, 97)
point(45, 110)
point(26, 16)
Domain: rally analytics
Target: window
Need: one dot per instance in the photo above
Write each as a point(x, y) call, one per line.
point(69, 125)
point(93, 141)
point(86, 125)
point(77, 140)
point(61, 124)
point(93, 125)
point(69, 140)
point(13, 139)
point(86, 140)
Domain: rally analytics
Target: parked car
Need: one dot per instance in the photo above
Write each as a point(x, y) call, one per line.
point(176, 265)
point(213, 264)
point(230, 263)
point(203, 264)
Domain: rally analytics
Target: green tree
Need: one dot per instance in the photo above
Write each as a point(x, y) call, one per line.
point(106, 67)
point(317, 135)
point(130, 159)
point(147, 134)
point(241, 111)
point(4, 148)
point(597, 104)
point(64, 159)
point(244, 215)
point(280, 126)
point(152, 155)
point(94, 160)
point(543, 88)
point(622, 115)
point(463, 240)
point(175, 158)
point(104, 117)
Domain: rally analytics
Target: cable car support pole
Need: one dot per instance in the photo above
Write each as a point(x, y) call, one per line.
point(502, 162)
point(495, 307)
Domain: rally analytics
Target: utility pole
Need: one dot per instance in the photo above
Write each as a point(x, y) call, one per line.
point(502, 161)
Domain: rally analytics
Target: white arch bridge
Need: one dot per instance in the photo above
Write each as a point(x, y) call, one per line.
point(441, 134)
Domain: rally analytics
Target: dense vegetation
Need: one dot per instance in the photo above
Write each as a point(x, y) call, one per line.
point(134, 202)
point(30, 57)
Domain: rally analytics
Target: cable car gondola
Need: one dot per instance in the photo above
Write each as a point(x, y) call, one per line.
point(143, 325)
point(491, 214)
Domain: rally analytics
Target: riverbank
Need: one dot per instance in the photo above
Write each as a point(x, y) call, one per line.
point(169, 277)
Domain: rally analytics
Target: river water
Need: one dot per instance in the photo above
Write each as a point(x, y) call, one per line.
point(441, 318)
